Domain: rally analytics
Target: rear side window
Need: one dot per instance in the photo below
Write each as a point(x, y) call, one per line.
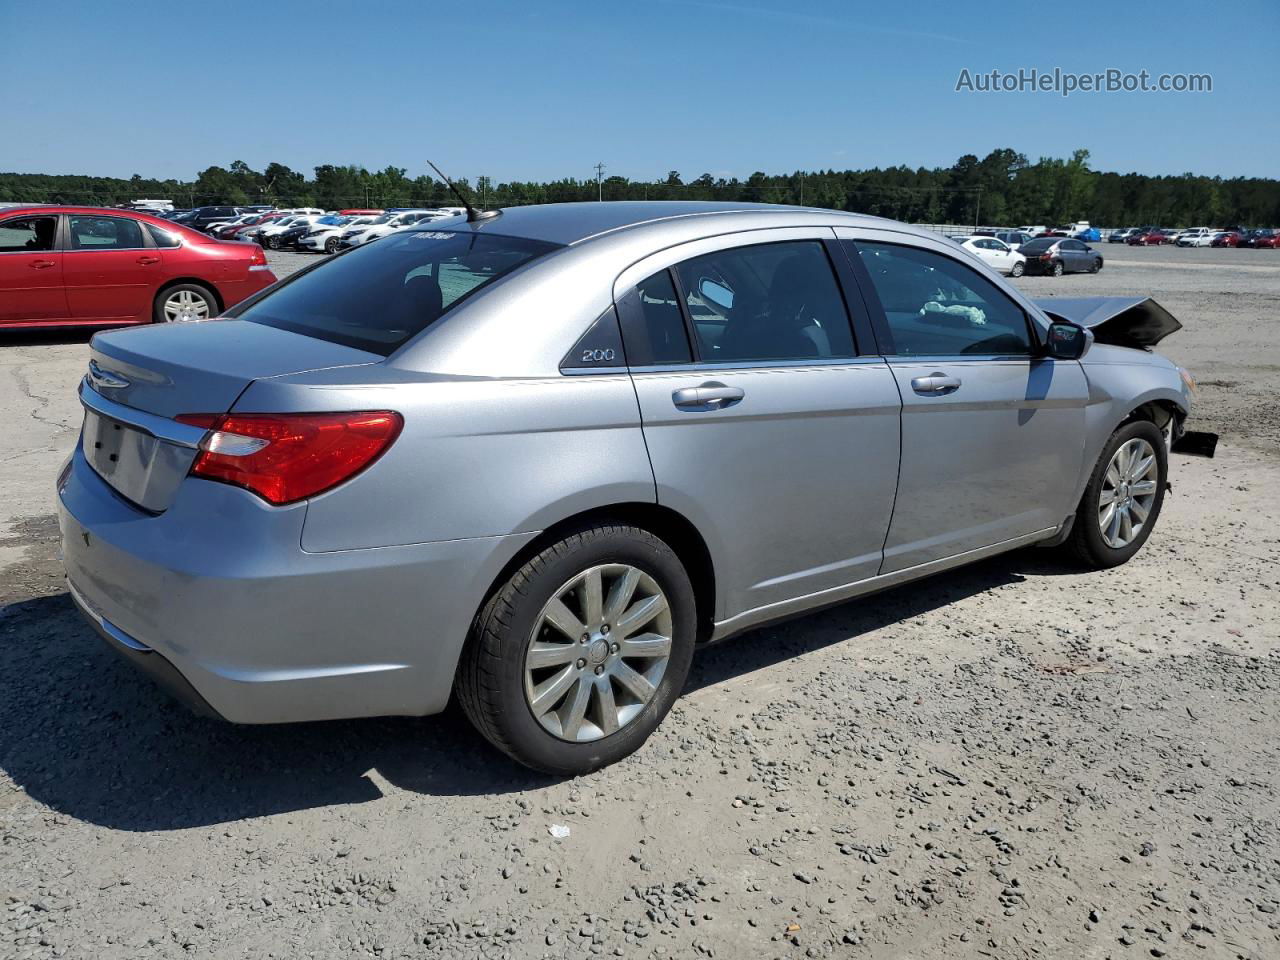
point(104, 233)
point(774, 301)
point(28, 234)
point(936, 306)
point(163, 237)
point(381, 295)
point(652, 324)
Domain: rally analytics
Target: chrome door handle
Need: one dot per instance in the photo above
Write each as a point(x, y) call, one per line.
point(147, 260)
point(711, 395)
point(936, 384)
point(41, 264)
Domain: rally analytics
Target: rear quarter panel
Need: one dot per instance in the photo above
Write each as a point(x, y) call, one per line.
point(477, 457)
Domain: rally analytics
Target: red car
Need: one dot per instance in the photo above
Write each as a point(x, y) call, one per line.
point(231, 233)
point(1228, 238)
point(1265, 238)
point(1149, 238)
point(90, 266)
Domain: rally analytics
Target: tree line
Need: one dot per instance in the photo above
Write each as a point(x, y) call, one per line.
point(1003, 188)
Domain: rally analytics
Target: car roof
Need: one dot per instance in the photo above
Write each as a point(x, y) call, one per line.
point(53, 208)
point(573, 223)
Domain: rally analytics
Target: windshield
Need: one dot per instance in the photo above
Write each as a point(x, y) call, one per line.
point(380, 295)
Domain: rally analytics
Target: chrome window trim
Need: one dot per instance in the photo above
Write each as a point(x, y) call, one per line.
point(724, 366)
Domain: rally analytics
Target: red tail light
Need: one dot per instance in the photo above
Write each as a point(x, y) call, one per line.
point(1047, 256)
point(286, 457)
point(258, 258)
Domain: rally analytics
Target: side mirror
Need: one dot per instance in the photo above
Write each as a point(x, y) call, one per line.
point(1067, 341)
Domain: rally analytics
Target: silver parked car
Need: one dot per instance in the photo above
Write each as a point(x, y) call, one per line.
point(538, 458)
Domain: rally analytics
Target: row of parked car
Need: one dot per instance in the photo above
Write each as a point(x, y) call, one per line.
point(1197, 237)
point(305, 228)
point(1015, 252)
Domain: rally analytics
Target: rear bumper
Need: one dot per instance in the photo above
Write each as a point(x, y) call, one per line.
point(216, 598)
point(146, 660)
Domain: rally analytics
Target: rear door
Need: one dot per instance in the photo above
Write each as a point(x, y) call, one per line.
point(1075, 257)
point(31, 270)
point(764, 424)
point(112, 268)
point(992, 432)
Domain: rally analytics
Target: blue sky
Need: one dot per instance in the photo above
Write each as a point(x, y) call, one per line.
point(546, 88)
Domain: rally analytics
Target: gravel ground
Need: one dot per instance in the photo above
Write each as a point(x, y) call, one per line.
point(1016, 760)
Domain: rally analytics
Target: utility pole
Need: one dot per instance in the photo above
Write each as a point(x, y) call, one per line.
point(802, 188)
point(599, 182)
point(977, 206)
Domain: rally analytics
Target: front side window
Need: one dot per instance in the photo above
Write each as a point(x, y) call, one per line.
point(380, 295)
point(774, 301)
point(936, 306)
point(104, 233)
point(28, 234)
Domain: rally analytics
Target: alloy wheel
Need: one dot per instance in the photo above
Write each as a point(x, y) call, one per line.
point(184, 305)
point(1129, 489)
point(598, 652)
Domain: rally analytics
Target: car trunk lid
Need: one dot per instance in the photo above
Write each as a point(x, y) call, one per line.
point(139, 380)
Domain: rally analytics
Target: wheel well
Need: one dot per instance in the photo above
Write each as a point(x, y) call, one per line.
point(178, 281)
point(671, 527)
point(1159, 412)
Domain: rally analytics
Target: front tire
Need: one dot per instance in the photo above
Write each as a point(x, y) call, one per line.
point(1122, 500)
point(574, 661)
point(1017, 270)
point(331, 245)
point(273, 243)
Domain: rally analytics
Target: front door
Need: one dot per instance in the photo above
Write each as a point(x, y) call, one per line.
point(110, 272)
point(764, 426)
point(31, 270)
point(992, 432)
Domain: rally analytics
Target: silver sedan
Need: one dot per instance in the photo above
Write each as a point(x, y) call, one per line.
point(537, 458)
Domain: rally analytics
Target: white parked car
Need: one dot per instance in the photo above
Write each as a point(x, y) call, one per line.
point(996, 254)
point(269, 233)
point(327, 237)
point(385, 224)
point(1196, 237)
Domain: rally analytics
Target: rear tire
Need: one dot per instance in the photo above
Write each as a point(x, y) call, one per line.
point(571, 714)
point(1057, 269)
point(1109, 487)
point(184, 302)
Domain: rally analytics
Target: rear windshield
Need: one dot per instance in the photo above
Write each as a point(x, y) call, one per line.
point(379, 296)
point(1035, 246)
